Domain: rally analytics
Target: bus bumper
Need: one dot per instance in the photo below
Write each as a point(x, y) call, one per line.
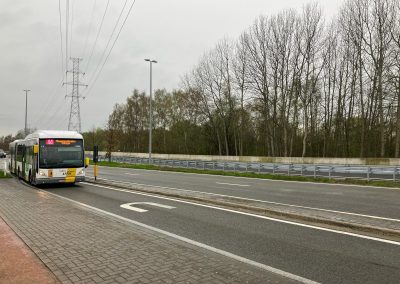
point(59, 180)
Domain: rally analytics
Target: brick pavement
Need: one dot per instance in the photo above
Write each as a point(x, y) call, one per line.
point(18, 263)
point(81, 246)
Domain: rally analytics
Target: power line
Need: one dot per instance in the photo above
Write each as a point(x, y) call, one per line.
point(108, 55)
point(51, 121)
point(71, 27)
point(110, 38)
point(66, 31)
point(50, 102)
point(97, 36)
point(61, 39)
point(66, 41)
point(90, 27)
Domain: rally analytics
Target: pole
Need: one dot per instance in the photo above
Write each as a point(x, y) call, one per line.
point(151, 106)
point(26, 111)
point(151, 109)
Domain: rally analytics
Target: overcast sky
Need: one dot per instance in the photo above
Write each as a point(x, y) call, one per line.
point(175, 33)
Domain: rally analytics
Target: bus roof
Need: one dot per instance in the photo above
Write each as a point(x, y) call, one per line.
point(15, 141)
point(43, 134)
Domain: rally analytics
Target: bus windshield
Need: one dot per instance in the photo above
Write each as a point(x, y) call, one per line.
point(60, 153)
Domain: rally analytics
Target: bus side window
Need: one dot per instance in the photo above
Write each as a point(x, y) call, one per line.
point(19, 153)
point(28, 158)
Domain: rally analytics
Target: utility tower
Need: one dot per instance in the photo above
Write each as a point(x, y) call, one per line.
point(74, 122)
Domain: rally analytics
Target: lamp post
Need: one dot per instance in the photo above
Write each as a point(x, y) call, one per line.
point(26, 111)
point(151, 109)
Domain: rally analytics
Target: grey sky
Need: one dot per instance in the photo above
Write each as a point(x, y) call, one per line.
point(174, 32)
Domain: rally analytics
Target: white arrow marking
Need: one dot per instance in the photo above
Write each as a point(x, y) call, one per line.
point(130, 207)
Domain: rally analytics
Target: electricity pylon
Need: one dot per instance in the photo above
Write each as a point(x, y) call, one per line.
point(74, 122)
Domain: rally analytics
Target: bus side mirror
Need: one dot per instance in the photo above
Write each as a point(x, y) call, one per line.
point(87, 162)
point(35, 149)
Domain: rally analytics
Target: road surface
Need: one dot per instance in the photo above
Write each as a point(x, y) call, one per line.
point(316, 254)
point(373, 201)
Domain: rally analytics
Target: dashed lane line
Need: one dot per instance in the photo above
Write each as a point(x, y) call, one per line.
point(232, 184)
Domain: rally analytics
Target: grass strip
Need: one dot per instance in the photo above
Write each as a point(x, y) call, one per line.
point(383, 183)
point(4, 175)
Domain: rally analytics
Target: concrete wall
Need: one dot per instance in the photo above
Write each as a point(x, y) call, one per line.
point(280, 160)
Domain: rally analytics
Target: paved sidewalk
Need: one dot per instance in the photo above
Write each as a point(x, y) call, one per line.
point(18, 264)
point(81, 246)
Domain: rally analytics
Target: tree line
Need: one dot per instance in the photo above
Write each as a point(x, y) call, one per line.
point(292, 84)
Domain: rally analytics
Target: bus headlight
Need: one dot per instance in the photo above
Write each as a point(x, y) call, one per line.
point(42, 173)
point(81, 172)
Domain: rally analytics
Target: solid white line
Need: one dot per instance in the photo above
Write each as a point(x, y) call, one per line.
point(192, 242)
point(253, 215)
point(132, 174)
point(265, 179)
point(233, 184)
point(264, 201)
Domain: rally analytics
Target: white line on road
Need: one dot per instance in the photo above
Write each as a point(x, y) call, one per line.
point(129, 174)
point(192, 242)
point(252, 215)
point(233, 184)
point(263, 201)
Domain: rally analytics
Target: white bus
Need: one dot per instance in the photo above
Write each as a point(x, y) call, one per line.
point(49, 156)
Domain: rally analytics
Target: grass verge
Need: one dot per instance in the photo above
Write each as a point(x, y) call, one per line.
point(4, 175)
point(383, 183)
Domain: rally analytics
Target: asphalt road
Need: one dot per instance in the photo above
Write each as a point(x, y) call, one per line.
point(380, 202)
point(318, 255)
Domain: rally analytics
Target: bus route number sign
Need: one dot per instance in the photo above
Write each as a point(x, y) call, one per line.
point(49, 141)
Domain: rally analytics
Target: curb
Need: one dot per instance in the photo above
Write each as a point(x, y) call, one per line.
point(238, 204)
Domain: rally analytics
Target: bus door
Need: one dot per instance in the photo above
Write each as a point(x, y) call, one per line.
point(23, 161)
point(35, 161)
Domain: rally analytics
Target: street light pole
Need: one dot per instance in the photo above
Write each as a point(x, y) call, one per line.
point(26, 111)
point(151, 109)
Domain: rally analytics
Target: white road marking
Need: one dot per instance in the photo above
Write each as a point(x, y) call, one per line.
point(233, 184)
point(263, 201)
point(192, 242)
point(129, 174)
point(140, 210)
point(253, 215)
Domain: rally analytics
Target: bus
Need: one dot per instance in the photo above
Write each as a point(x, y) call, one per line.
point(49, 156)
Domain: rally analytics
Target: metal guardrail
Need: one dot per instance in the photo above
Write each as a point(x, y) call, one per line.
point(310, 170)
